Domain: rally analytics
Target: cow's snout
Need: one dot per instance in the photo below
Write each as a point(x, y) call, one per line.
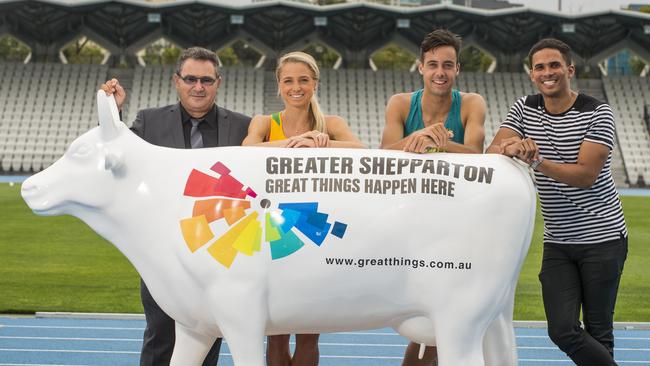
point(33, 194)
point(28, 189)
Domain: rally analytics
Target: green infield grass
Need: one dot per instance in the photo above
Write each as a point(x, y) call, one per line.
point(59, 264)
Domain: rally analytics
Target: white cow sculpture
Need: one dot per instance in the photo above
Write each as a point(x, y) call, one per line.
point(311, 241)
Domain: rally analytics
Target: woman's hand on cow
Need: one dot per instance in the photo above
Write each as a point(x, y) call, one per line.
point(321, 139)
point(299, 141)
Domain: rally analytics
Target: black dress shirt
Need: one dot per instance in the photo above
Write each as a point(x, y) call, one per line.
point(209, 128)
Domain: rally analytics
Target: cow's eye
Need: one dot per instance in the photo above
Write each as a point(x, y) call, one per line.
point(81, 150)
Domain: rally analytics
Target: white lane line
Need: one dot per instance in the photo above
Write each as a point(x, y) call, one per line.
point(400, 345)
point(71, 327)
point(571, 362)
point(67, 351)
point(329, 344)
point(616, 338)
point(322, 356)
point(368, 333)
point(521, 360)
point(333, 344)
point(337, 333)
point(97, 339)
point(364, 357)
point(75, 339)
point(616, 349)
point(36, 364)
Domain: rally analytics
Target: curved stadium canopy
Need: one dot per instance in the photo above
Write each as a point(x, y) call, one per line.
point(354, 30)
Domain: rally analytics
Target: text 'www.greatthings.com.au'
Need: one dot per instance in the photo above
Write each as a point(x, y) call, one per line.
point(398, 262)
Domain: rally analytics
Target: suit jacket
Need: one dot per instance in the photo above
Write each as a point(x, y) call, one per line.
point(164, 127)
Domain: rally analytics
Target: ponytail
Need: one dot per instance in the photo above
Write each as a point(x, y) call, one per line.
point(317, 115)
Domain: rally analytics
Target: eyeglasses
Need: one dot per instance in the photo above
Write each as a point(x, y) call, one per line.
point(191, 79)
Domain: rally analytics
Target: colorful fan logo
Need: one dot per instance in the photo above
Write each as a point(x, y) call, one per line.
point(228, 202)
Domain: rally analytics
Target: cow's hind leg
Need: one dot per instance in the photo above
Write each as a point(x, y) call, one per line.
point(499, 344)
point(460, 344)
point(190, 347)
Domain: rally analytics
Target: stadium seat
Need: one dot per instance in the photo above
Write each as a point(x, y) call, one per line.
point(49, 105)
point(628, 97)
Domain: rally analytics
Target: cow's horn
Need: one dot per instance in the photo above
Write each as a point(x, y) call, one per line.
point(109, 116)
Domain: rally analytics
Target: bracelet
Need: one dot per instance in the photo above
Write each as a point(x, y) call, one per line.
point(429, 150)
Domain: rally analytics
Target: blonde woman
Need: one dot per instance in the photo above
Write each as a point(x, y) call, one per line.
point(300, 124)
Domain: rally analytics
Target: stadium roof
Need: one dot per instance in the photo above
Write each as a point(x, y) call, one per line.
point(355, 30)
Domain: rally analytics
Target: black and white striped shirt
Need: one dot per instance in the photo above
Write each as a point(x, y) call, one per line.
point(572, 215)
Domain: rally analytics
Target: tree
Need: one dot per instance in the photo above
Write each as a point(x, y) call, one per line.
point(83, 51)
point(239, 53)
point(393, 57)
point(12, 50)
point(325, 57)
point(473, 60)
point(161, 52)
point(228, 57)
point(637, 65)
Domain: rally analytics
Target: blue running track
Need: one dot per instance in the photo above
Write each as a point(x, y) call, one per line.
point(66, 342)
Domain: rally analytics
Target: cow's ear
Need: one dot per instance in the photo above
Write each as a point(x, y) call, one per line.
point(109, 116)
point(113, 161)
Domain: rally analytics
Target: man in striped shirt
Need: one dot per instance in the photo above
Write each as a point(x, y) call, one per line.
point(567, 139)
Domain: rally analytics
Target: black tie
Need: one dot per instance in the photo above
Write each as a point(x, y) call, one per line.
point(196, 139)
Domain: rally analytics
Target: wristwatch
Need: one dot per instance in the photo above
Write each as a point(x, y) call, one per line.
point(535, 163)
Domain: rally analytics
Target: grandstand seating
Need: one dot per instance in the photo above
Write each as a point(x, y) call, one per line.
point(45, 106)
point(500, 91)
point(360, 97)
point(628, 97)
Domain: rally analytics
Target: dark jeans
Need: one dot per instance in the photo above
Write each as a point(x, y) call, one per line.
point(587, 277)
point(160, 334)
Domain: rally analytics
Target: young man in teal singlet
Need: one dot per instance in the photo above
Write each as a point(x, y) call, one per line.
point(437, 116)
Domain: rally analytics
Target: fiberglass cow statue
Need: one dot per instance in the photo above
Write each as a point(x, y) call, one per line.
point(242, 242)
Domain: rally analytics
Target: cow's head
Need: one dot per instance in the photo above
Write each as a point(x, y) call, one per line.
point(83, 178)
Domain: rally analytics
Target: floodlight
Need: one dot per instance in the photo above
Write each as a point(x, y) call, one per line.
point(320, 21)
point(568, 28)
point(236, 19)
point(403, 23)
point(154, 17)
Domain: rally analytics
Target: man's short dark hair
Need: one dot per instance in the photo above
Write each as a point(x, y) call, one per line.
point(440, 37)
point(553, 43)
point(200, 54)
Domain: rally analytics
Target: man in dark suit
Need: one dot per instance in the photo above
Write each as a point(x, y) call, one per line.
point(195, 122)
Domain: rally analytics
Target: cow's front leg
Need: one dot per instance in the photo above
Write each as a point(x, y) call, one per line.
point(243, 324)
point(246, 347)
point(190, 347)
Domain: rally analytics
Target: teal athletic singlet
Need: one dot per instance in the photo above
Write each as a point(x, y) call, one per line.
point(453, 123)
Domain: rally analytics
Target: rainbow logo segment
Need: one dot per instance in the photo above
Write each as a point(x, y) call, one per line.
point(225, 198)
